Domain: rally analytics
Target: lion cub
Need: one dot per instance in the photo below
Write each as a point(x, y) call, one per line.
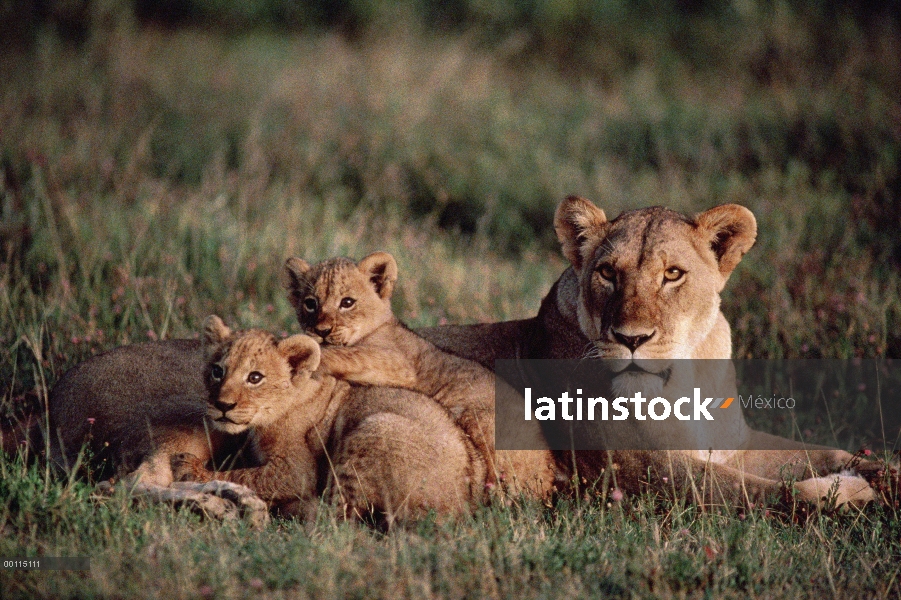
point(348, 305)
point(262, 386)
point(384, 444)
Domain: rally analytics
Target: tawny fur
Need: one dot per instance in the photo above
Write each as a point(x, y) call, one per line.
point(127, 403)
point(133, 407)
point(384, 452)
point(654, 274)
point(349, 305)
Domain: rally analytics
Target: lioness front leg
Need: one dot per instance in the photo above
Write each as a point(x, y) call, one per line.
point(790, 458)
point(707, 483)
point(717, 484)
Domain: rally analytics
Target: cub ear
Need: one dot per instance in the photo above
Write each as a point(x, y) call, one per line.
point(578, 222)
point(730, 230)
point(292, 274)
point(302, 352)
point(215, 331)
point(381, 269)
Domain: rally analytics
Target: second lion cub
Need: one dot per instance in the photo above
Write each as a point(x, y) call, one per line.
point(348, 305)
point(385, 444)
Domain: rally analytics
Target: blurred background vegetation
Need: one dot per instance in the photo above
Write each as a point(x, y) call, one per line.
point(158, 160)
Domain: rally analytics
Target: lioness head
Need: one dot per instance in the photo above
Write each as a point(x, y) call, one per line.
point(339, 300)
point(649, 281)
point(254, 378)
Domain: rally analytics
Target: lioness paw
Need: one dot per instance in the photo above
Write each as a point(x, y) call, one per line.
point(834, 491)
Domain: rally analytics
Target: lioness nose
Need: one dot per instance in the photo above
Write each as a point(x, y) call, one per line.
point(632, 342)
point(323, 332)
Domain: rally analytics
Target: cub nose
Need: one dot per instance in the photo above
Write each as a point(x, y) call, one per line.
point(633, 341)
point(224, 406)
point(323, 333)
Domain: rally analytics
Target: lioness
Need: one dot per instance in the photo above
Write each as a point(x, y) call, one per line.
point(646, 286)
point(392, 453)
point(348, 305)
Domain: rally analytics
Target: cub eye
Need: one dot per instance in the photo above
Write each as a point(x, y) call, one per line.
point(607, 272)
point(310, 304)
point(254, 377)
point(347, 302)
point(673, 274)
point(217, 372)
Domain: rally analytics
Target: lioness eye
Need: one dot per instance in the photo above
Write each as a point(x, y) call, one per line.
point(347, 302)
point(607, 272)
point(310, 304)
point(217, 372)
point(673, 274)
point(254, 377)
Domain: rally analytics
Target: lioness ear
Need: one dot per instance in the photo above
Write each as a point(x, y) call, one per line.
point(381, 269)
point(730, 230)
point(577, 222)
point(302, 353)
point(215, 331)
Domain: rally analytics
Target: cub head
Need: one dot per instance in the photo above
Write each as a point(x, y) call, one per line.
point(254, 378)
point(339, 300)
point(649, 281)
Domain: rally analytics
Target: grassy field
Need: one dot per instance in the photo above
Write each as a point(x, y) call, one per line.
point(150, 176)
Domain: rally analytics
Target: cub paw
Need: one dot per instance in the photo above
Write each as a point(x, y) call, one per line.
point(187, 467)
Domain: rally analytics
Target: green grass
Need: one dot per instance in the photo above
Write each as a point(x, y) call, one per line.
point(141, 191)
point(639, 548)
